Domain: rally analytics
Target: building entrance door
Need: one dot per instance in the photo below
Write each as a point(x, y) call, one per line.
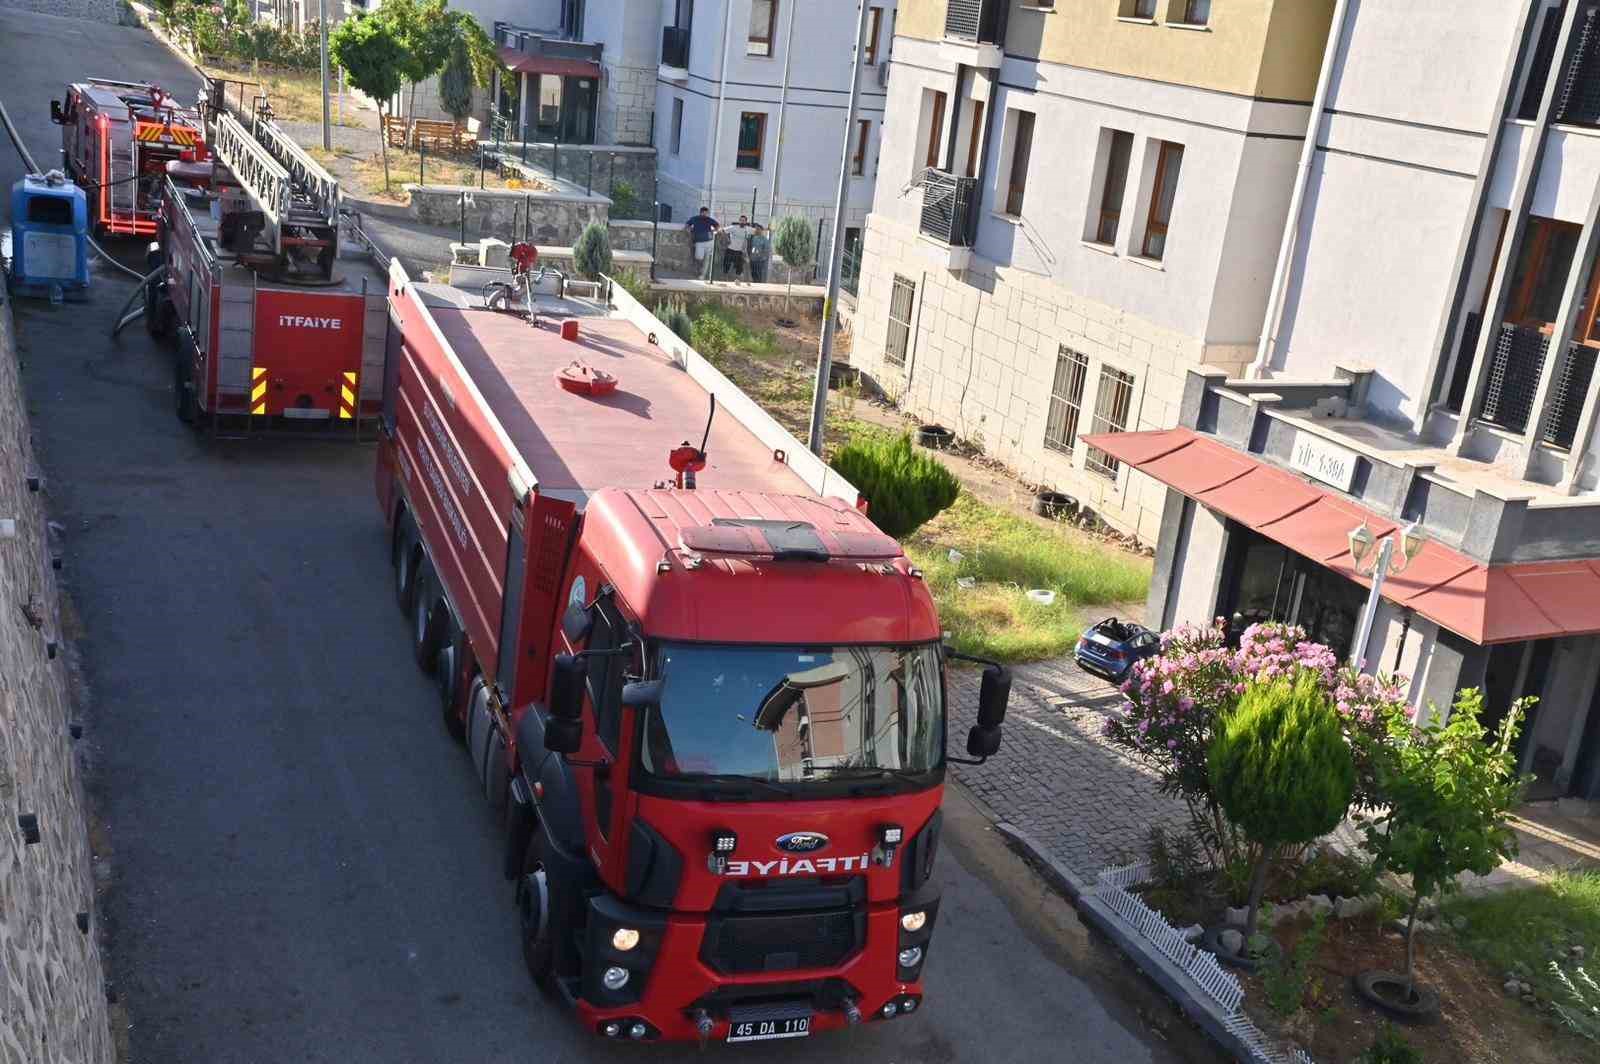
point(1274, 583)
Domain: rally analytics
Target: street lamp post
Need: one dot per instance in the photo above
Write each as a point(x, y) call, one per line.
point(1383, 563)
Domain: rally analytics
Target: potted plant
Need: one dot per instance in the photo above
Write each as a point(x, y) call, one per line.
point(1446, 791)
point(1282, 773)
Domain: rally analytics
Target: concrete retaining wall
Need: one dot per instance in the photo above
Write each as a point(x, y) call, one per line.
point(672, 249)
point(52, 988)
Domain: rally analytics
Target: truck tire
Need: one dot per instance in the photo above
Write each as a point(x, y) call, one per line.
point(407, 559)
point(446, 677)
point(158, 313)
point(533, 917)
point(425, 624)
point(183, 385)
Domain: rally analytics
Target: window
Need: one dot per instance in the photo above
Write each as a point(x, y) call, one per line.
point(935, 124)
point(1021, 149)
point(974, 137)
point(677, 125)
point(858, 162)
point(763, 27)
point(1191, 12)
point(1138, 9)
point(1169, 160)
point(874, 25)
point(901, 297)
point(752, 135)
point(1066, 400)
point(1542, 267)
point(1113, 399)
point(1114, 186)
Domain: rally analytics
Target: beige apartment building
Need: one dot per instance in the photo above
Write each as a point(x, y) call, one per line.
point(1077, 203)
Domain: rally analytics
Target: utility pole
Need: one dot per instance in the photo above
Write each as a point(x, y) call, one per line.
point(819, 397)
point(322, 25)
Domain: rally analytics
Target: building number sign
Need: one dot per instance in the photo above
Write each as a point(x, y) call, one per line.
point(1321, 460)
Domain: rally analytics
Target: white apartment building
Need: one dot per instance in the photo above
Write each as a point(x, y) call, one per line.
point(1076, 203)
point(1428, 365)
point(751, 102)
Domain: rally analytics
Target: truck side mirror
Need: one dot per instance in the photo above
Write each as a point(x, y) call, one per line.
point(982, 742)
point(641, 694)
point(994, 694)
point(55, 113)
point(566, 688)
point(563, 736)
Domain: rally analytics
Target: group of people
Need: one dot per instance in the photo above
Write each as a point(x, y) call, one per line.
point(747, 243)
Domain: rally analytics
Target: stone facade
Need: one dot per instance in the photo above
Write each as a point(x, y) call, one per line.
point(673, 252)
point(52, 986)
point(558, 217)
point(981, 360)
point(627, 105)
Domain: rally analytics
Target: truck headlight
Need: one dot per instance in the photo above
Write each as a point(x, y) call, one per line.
point(909, 958)
point(914, 921)
point(616, 978)
point(625, 938)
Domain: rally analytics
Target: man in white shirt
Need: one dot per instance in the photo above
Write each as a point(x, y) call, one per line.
point(738, 238)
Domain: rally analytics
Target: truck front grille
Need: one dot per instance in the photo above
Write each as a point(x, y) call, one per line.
point(777, 942)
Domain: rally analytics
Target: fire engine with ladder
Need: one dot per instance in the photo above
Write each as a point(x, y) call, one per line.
point(280, 324)
point(117, 138)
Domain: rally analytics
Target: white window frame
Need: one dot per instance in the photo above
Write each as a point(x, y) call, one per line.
point(1113, 384)
point(898, 284)
point(1065, 410)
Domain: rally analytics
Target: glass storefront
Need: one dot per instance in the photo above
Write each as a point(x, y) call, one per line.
point(1273, 583)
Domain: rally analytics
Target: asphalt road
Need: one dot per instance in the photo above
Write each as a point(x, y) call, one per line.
point(300, 864)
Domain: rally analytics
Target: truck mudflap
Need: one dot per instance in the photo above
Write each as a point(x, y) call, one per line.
point(691, 1000)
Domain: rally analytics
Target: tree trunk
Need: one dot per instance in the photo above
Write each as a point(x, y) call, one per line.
point(383, 147)
point(411, 108)
point(788, 276)
point(1258, 886)
point(1411, 944)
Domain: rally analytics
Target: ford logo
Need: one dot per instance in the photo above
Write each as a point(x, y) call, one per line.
point(802, 842)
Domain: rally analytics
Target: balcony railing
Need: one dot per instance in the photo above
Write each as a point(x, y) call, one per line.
point(675, 47)
point(979, 21)
point(947, 207)
point(1577, 100)
point(1512, 376)
point(1567, 393)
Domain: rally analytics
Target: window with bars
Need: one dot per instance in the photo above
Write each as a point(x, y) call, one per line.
point(1066, 400)
point(1113, 402)
point(901, 297)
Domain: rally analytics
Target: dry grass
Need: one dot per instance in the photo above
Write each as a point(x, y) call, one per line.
point(295, 95)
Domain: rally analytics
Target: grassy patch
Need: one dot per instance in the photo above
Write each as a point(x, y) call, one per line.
point(1521, 930)
point(296, 95)
point(1006, 556)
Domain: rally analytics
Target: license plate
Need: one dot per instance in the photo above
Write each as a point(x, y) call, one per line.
point(766, 1030)
point(306, 413)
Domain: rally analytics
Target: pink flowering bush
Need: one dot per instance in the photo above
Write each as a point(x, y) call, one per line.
point(1175, 700)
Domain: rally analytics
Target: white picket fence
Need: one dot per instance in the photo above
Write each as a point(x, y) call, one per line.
point(1111, 886)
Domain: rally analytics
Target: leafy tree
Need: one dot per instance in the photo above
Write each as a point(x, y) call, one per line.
point(422, 29)
point(371, 56)
point(904, 487)
point(1446, 792)
point(1281, 771)
point(455, 82)
point(592, 253)
point(794, 243)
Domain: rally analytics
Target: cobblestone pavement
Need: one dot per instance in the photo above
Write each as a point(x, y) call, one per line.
point(1056, 778)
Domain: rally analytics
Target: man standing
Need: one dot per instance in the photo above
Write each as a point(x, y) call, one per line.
point(738, 238)
point(703, 233)
point(760, 253)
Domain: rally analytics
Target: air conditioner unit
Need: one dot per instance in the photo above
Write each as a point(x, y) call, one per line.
point(883, 73)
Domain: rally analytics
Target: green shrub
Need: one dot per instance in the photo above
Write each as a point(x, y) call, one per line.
point(903, 486)
point(1391, 1047)
point(623, 198)
point(591, 255)
point(711, 336)
point(634, 284)
point(1287, 977)
point(675, 316)
point(1281, 770)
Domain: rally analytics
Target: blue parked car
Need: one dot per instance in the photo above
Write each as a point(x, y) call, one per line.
point(1110, 648)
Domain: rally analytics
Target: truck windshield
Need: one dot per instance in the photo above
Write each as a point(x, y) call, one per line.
point(795, 713)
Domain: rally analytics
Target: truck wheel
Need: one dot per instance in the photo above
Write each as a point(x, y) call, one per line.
point(406, 560)
point(425, 623)
point(533, 916)
point(155, 310)
point(183, 385)
point(446, 673)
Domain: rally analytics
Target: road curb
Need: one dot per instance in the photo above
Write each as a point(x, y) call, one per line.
point(1201, 1009)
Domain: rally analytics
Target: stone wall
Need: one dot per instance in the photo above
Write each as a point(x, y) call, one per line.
point(672, 249)
point(626, 105)
point(596, 167)
point(108, 11)
point(557, 217)
point(52, 986)
point(771, 299)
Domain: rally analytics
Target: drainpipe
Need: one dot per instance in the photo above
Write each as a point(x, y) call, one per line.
point(722, 92)
point(1291, 225)
point(783, 103)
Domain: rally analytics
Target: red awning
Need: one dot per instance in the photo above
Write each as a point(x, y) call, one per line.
point(523, 63)
point(1486, 604)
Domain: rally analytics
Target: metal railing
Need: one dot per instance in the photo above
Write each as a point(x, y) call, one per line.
point(675, 47)
point(947, 207)
point(978, 21)
point(1567, 393)
point(1512, 376)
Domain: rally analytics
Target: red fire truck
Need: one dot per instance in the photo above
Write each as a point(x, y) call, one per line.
point(279, 325)
point(707, 692)
point(117, 138)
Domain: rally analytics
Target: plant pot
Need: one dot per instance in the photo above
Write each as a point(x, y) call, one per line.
point(1211, 942)
point(1054, 504)
point(934, 437)
point(1386, 991)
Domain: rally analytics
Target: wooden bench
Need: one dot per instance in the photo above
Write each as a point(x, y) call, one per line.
point(467, 138)
point(428, 133)
point(394, 131)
